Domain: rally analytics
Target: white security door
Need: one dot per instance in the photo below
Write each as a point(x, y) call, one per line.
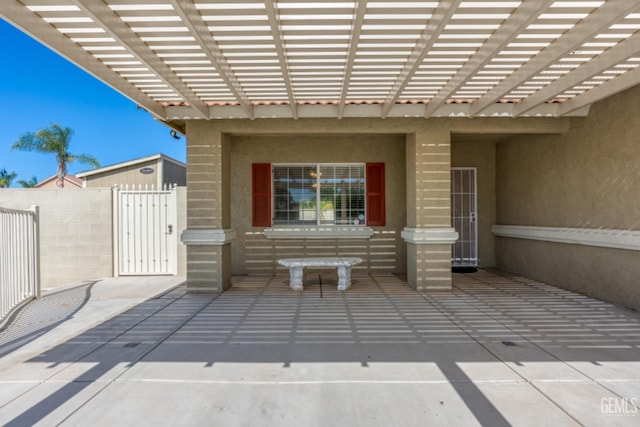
point(463, 215)
point(145, 232)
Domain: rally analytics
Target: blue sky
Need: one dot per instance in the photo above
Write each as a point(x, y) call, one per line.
point(37, 87)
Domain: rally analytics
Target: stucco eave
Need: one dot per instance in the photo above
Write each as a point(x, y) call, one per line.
point(530, 125)
point(527, 125)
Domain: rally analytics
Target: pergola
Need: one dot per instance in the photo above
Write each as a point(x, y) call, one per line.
point(210, 59)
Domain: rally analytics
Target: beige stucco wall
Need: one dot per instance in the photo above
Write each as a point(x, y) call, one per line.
point(481, 155)
point(53, 185)
point(586, 178)
point(129, 175)
point(423, 150)
point(255, 254)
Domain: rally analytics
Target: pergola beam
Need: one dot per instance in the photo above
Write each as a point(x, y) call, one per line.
point(100, 12)
point(604, 61)
point(617, 84)
point(281, 59)
point(358, 18)
point(596, 22)
point(29, 23)
point(436, 24)
point(187, 11)
point(272, 14)
point(508, 31)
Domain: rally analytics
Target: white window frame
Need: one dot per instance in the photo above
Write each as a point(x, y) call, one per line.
point(318, 231)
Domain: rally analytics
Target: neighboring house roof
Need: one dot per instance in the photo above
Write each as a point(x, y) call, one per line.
point(68, 179)
point(129, 163)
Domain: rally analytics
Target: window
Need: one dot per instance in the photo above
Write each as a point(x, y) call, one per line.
point(341, 194)
point(320, 194)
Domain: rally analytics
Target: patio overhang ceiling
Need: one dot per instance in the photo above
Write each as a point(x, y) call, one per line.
point(210, 59)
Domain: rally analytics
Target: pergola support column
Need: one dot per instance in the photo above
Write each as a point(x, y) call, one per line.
point(429, 234)
point(208, 234)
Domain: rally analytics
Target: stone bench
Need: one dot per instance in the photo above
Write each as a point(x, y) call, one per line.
point(296, 269)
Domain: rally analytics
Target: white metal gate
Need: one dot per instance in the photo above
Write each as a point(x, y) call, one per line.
point(145, 236)
point(463, 215)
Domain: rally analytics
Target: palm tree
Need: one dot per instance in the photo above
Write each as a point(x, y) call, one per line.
point(6, 178)
point(28, 184)
point(54, 140)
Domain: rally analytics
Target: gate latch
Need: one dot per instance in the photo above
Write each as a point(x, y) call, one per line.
point(170, 228)
point(472, 217)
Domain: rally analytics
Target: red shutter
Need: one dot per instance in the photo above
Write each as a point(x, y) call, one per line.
point(375, 194)
point(261, 190)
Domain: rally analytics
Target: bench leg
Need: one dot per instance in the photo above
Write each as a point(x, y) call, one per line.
point(344, 278)
point(295, 278)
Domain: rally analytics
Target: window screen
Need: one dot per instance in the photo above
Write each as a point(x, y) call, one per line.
point(342, 194)
point(294, 195)
point(323, 194)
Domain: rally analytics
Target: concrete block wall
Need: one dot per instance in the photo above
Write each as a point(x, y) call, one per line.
point(76, 242)
point(76, 238)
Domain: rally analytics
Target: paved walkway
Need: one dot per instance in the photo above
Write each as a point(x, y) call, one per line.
point(498, 350)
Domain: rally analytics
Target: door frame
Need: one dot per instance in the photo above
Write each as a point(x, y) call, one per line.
point(473, 215)
point(170, 198)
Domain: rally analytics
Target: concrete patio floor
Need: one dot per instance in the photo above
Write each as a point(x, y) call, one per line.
point(497, 350)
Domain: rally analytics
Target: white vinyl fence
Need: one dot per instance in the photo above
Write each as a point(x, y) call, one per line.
point(19, 258)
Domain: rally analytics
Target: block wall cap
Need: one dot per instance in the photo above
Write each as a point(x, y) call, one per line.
point(214, 237)
point(319, 233)
point(430, 236)
point(602, 237)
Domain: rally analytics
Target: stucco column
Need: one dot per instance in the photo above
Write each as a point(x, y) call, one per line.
point(429, 234)
point(208, 234)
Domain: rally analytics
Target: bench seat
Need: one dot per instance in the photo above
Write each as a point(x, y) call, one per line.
point(296, 269)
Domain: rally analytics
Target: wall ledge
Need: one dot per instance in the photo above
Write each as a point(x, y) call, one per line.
point(211, 236)
point(430, 236)
point(601, 237)
point(318, 232)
